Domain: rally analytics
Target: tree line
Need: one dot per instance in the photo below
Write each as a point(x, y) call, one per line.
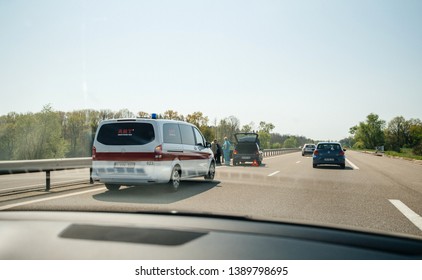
point(395, 135)
point(56, 134)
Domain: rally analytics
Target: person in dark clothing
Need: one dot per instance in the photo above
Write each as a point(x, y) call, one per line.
point(217, 154)
point(214, 148)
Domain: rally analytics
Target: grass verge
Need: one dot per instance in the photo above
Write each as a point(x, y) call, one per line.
point(404, 153)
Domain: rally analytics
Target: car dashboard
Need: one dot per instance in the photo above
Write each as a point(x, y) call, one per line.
point(124, 236)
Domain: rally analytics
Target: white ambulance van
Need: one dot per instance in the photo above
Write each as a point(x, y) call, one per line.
point(138, 151)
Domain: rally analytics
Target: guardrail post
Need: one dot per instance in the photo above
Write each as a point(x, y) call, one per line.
point(47, 180)
point(91, 181)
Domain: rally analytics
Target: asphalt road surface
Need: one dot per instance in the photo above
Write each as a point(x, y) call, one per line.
point(371, 193)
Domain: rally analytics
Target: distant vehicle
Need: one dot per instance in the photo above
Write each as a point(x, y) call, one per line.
point(329, 153)
point(247, 148)
point(308, 149)
point(137, 151)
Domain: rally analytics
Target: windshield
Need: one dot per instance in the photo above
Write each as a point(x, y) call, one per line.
point(96, 81)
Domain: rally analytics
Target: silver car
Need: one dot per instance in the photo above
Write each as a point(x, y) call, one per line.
point(308, 149)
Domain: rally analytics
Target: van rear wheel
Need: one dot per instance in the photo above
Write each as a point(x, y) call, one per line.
point(211, 172)
point(112, 187)
point(175, 179)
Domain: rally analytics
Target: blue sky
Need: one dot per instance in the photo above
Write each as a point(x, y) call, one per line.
point(312, 68)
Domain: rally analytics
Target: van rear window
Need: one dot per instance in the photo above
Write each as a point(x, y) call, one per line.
point(131, 133)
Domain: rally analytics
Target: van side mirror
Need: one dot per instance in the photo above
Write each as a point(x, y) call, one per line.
point(208, 144)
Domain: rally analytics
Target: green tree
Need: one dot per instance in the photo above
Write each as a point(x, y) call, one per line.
point(40, 135)
point(396, 133)
point(26, 137)
point(78, 131)
point(124, 114)
point(105, 114)
point(201, 121)
point(278, 139)
point(143, 114)
point(415, 136)
point(51, 143)
point(228, 127)
point(8, 135)
point(173, 115)
point(247, 127)
point(266, 127)
point(208, 133)
point(415, 132)
point(290, 142)
point(198, 119)
point(370, 132)
point(347, 142)
point(276, 145)
point(264, 133)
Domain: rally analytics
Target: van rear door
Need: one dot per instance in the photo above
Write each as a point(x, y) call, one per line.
point(122, 148)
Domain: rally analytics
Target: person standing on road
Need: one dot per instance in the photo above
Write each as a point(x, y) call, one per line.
point(214, 148)
point(218, 154)
point(226, 151)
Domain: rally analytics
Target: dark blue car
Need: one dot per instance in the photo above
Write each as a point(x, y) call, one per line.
point(329, 153)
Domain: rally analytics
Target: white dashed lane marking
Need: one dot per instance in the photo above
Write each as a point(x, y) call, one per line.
point(272, 174)
point(352, 164)
point(408, 213)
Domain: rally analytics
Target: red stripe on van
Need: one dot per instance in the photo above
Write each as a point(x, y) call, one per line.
point(149, 156)
point(125, 156)
point(194, 155)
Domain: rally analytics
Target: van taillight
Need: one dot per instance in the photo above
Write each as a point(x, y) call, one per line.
point(158, 151)
point(94, 152)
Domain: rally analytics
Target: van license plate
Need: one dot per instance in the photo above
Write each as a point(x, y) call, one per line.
point(124, 165)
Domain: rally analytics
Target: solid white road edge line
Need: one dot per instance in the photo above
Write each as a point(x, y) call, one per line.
point(272, 174)
point(48, 198)
point(408, 213)
point(352, 164)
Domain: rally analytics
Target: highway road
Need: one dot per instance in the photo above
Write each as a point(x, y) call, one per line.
point(371, 193)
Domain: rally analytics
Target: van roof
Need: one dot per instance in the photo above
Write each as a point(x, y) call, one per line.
point(143, 120)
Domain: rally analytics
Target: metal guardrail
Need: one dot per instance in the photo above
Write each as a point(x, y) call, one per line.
point(274, 152)
point(44, 165)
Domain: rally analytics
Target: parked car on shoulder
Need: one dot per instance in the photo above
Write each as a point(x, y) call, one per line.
point(247, 149)
point(329, 153)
